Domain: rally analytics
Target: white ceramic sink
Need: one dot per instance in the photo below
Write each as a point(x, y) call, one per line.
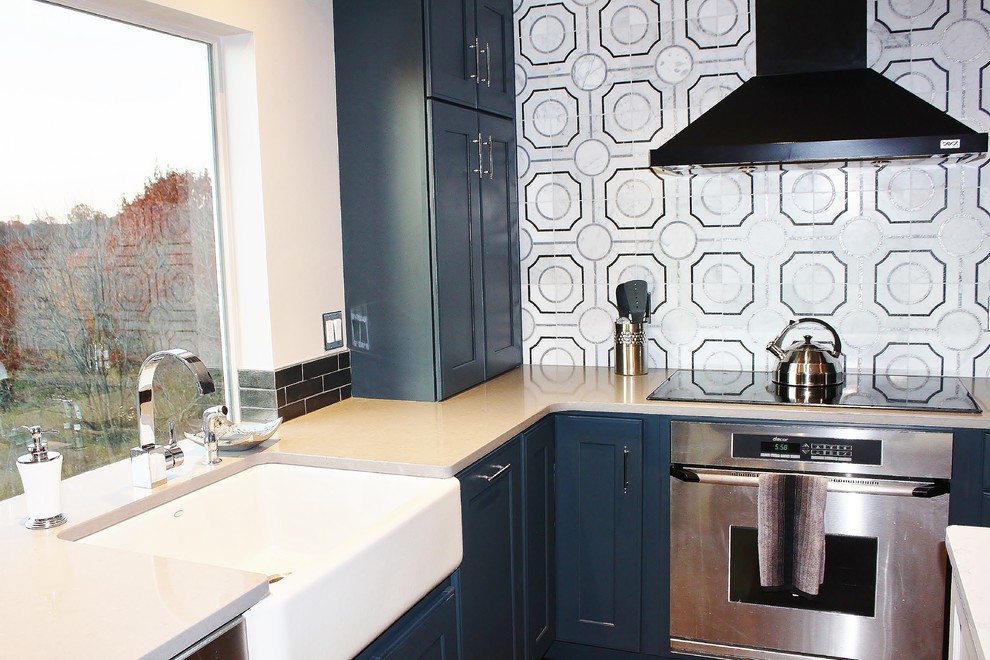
point(354, 550)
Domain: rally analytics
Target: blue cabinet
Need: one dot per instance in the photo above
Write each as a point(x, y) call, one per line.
point(490, 579)
point(427, 632)
point(471, 54)
point(970, 478)
point(429, 216)
point(599, 530)
point(985, 513)
point(473, 186)
point(506, 579)
point(539, 540)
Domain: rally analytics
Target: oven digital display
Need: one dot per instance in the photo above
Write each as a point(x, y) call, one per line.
point(780, 447)
point(806, 448)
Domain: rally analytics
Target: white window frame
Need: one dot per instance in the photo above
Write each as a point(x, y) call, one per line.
point(236, 193)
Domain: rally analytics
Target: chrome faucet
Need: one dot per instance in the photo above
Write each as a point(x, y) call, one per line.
point(149, 460)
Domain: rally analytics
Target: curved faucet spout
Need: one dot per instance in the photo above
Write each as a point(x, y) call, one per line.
point(146, 377)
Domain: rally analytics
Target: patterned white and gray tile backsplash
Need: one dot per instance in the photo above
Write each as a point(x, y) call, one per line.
point(894, 255)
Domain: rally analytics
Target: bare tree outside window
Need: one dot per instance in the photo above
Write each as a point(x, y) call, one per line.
point(95, 277)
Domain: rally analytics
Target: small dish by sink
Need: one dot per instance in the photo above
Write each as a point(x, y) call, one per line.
point(346, 552)
point(241, 435)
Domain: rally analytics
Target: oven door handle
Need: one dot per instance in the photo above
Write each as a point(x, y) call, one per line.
point(863, 486)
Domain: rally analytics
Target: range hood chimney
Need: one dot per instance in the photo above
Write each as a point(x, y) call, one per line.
point(814, 99)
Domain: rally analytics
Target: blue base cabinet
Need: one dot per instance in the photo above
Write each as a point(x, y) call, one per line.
point(490, 579)
point(566, 545)
point(611, 559)
point(506, 580)
point(427, 632)
point(985, 515)
point(539, 516)
point(599, 530)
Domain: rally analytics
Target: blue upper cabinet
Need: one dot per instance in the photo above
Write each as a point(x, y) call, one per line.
point(471, 54)
point(429, 217)
point(500, 243)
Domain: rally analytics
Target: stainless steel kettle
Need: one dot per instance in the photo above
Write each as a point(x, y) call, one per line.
point(807, 363)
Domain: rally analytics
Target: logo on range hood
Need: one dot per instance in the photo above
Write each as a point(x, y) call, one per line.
point(814, 99)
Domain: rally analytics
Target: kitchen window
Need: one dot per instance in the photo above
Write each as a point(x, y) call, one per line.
point(108, 230)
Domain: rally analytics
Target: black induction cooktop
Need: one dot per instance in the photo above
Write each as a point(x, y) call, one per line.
point(878, 391)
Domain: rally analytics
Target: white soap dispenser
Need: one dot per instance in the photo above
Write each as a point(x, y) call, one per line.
point(41, 474)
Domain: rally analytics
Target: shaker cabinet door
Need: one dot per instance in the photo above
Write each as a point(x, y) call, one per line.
point(500, 227)
point(491, 573)
point(452, 60)
point(470, 54)
point(455, 186)
point(496, 90)
point(599, 530)
point(539, 517)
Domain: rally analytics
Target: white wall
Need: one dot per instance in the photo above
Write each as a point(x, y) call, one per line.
point(281, 167)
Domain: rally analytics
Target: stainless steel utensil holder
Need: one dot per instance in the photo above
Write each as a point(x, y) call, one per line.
point(630, 349)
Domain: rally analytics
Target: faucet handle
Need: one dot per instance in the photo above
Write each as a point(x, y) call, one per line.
point(213, 418)
point(173, 452)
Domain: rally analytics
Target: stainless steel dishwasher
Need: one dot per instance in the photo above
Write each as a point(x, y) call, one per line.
point(885, 516)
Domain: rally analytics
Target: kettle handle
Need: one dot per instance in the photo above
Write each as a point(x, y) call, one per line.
point(775, 347)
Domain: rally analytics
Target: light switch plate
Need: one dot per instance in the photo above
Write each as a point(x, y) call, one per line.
point(333, 331)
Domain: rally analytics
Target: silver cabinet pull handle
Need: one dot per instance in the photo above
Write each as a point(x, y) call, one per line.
point(625, 469)
point(491, 158)
point(476, 76)
point(488, 65)
point(493, 477)
point(481, 168)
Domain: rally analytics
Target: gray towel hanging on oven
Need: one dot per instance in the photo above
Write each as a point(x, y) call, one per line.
point(791, 532)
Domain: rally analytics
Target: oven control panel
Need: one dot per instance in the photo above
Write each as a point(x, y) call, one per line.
point(805, 448)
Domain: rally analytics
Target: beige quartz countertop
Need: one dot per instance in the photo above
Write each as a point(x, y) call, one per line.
point(67, 599)
point(440, 439)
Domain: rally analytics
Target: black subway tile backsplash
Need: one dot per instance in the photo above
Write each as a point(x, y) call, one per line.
point(293, 410)
point(322, 400)
point(288, 375)
point(320, 367)
point(303, 388)
point(337, 379)
point(295, 390)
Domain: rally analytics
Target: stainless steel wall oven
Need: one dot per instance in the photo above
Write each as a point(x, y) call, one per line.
point(887, 506)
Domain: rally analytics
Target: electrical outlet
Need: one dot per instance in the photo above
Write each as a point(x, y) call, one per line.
point(333, 331)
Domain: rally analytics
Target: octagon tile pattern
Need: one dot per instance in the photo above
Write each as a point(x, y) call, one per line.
point(895, 255)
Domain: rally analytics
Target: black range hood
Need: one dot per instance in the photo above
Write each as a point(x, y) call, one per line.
point(814, 99)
